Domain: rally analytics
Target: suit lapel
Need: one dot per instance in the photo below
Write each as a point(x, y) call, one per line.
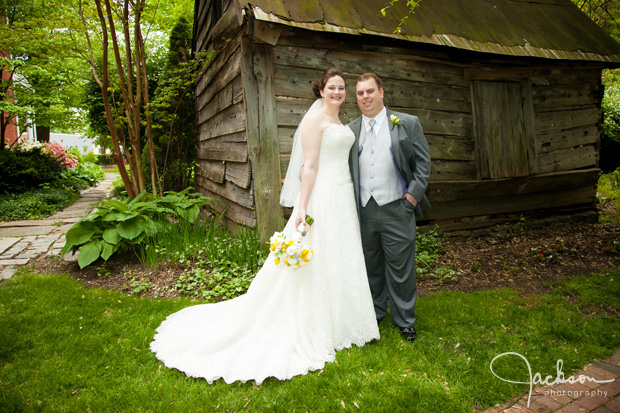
point(394, 138)
point(356, 127)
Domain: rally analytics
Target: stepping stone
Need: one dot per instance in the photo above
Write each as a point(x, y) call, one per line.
point(26, 231)
point(6, 243)
point(17, 248)
point(33, 223)
point(8, 263)
point(38, 247)
point(7, 273)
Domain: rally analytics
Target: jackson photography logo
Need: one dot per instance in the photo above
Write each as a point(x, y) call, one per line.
point(559, 378)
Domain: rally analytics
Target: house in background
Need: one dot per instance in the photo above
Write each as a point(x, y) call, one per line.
point(508, 93)
point(68, 140)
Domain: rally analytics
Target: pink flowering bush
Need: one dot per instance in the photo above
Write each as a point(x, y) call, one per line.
point(66, 159)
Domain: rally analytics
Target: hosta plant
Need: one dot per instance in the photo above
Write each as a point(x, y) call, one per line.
point(117, 224)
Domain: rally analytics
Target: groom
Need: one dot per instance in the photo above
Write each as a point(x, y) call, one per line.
point(390, 166)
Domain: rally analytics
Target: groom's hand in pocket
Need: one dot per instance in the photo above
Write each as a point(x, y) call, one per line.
point(411, 199)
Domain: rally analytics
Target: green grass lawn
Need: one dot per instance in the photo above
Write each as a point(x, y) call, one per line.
point(66, 348)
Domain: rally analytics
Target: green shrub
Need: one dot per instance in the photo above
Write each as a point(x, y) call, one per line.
point(610, 136)
point(609, 196)
point(120, 224)
point(25, 170)
point(104, 160)
point(35, 204)
point(87, 171)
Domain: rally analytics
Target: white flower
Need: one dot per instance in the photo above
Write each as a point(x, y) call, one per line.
point(292, 250)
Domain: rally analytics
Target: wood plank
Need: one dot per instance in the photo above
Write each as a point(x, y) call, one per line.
point(229, 121)
point(297, 82)
point(212, 170)
point(549, 142)
point(566, 119)
point(226, 24)
point(489, 189)
point(222, 79)
point(565, 97)
point(206, 23)
point(228, 95)
point(386, 65)
point(504, 136)
point(239, 173)
point(234, 212)
point(285, 139)
point(224, 59)
point(262, 134)
point(232, 148)
point(449, 148)
point(511, 203)
point(228, 190)
point(565, 76)
point(266, 32)
point(289, 112)
point(568, 159)
point(443, 170)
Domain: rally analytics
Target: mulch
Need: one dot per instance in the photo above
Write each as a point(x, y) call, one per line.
point(514, 257)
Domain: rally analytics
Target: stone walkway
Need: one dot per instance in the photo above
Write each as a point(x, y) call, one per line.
point(21, 241)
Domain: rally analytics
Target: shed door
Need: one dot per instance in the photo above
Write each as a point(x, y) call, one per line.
point(504, 130)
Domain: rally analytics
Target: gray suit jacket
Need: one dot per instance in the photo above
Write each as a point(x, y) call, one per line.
point(411, 155)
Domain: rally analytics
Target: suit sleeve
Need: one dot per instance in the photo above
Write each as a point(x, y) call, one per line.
point(421, 163)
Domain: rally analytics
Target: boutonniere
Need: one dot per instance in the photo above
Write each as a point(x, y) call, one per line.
point(395, 120)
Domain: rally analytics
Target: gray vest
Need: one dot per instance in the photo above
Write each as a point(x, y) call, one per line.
point(379, 176)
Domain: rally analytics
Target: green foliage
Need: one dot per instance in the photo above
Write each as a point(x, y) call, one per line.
point(610, 137)
point(220, 282)
point(411, 6)
point(117, 224)
point(24, 170)
point(174, 130)
point(86, 171)
point(428, 250)
point(223, 264)
point(35, 204)
point(609, 196)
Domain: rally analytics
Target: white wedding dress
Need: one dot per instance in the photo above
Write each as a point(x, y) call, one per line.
point(290, 321)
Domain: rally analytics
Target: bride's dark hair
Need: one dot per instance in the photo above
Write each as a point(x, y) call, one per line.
point(319, 84)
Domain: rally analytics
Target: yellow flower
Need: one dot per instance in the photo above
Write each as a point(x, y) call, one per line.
point(277, 260)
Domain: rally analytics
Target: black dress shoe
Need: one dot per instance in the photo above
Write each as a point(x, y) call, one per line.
point(408, 333)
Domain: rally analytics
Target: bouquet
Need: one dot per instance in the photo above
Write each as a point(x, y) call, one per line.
point(290, 251)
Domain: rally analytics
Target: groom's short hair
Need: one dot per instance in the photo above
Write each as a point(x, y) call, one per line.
point(367, 76)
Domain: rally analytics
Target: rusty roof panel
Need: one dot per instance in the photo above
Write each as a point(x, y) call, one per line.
point(552, 29)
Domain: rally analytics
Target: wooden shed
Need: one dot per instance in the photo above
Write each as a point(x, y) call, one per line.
point(508, 93)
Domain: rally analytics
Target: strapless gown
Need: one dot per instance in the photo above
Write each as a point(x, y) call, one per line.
point(290, 321)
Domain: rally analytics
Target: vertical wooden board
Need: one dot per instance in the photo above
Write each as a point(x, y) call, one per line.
point(503, 132)
point(262, 134)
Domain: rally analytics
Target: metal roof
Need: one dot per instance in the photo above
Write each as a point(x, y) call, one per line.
point(552, 29)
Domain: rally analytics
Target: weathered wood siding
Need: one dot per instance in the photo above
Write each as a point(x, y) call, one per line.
point(436, 93)
point(533, 146)
point(554, 111)
point(224, 170)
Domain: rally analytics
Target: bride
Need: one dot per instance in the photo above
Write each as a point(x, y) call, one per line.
point(290, 321)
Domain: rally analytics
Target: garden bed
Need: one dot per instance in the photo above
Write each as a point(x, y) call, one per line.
point(504, 259)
